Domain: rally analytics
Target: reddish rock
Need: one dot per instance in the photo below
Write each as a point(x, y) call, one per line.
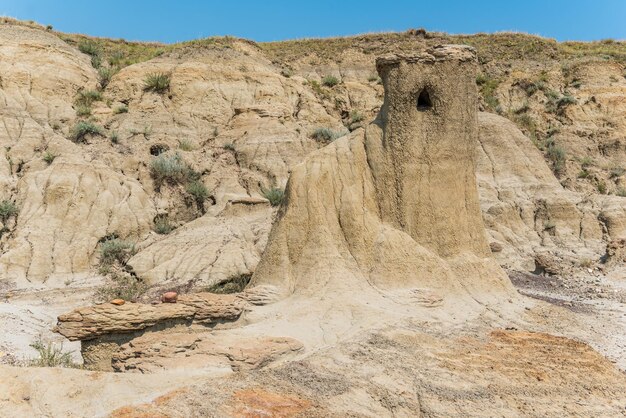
point(496, 247)
point(118, 302)
point(169, 297)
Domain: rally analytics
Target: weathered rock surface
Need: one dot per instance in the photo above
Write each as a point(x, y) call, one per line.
point(504, 373)
point(378, 240)
point(176, 350)
point(91, 322)
point(394, 206)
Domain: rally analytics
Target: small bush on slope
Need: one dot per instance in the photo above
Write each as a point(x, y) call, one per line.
point(82, 129)
point(156, 82)
point(274, 195)
point(50, 355)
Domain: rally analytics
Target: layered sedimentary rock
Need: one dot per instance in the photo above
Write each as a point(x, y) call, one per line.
point(395, 205)
point(91, 322)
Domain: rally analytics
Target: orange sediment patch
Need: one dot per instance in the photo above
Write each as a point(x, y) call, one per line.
point(260, 403)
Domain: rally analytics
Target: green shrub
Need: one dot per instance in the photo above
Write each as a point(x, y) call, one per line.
point(326, 134)
point(528, 86)
point(488, 88)
point(84, 100)
point(356, 116)
point(105, 75)
point(87, 97)
point(82, 110)
point(274, 195)
point(82, 129)
point(330, 81)
point(601, 186)
point(616, 172)
point(556, 102)
point(162, 225)
point(229, 147)
point(7, 210)
point(156, 82)
point(198, 191)
point(566, 100)
point(586, 162)
point(185, 145)
point(114, 137)
point(234, 284)
point(96, 61)
point(115, 249)
point(89, 47)
point(583, 174)
point(49, 157)
point(171, 168)
point(121, 287)
point(120, 109)
point(557, 154)
point(50, 355)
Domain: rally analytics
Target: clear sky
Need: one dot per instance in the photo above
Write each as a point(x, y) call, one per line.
point(173, 21)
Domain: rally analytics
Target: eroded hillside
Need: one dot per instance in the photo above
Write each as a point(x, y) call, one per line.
point(130, 168)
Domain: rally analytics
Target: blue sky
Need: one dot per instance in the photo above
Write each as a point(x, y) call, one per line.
point(172, 21)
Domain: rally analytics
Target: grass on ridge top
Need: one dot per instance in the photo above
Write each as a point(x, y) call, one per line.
point(500, 46)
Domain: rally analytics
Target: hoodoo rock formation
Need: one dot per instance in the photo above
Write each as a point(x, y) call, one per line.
point(375, 286)
point(394, 205)
point(392, 209)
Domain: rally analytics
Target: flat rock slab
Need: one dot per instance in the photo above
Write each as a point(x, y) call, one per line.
point(158, 351)
point(91, 322)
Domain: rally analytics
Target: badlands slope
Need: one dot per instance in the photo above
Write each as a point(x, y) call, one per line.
point(327, 326)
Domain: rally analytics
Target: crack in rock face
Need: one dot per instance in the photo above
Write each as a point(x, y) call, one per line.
point(395, 205)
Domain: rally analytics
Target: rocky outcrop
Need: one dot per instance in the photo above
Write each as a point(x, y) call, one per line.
point(91, 322)
point(175, 350)
point(396, 205)
point(528, 211)
point(66, 210)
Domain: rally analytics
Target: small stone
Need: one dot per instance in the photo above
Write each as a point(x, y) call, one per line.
point(118, 302)
point(169, 297)
point(495, 247)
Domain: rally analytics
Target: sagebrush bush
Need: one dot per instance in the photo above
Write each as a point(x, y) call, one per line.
point(185, 145)
point(120, 109)
point(82, 110)
point(488, 88)
point(105, 75)
point(122, 287)
point(115, 249)
point(330, 81)
point(229, 147)
point(8, 210)
point(49, 157)
point(326, 134)
point(274, 194)
point(157, 82)
point(115, 138)
point(82, 129)
point(50, 355)
point(163, 226)
point(171, 168)
point(89, 47)
point(356, 116)
point(198, 191)
point(557, 154)
point(93, 49)
point(87, 97)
